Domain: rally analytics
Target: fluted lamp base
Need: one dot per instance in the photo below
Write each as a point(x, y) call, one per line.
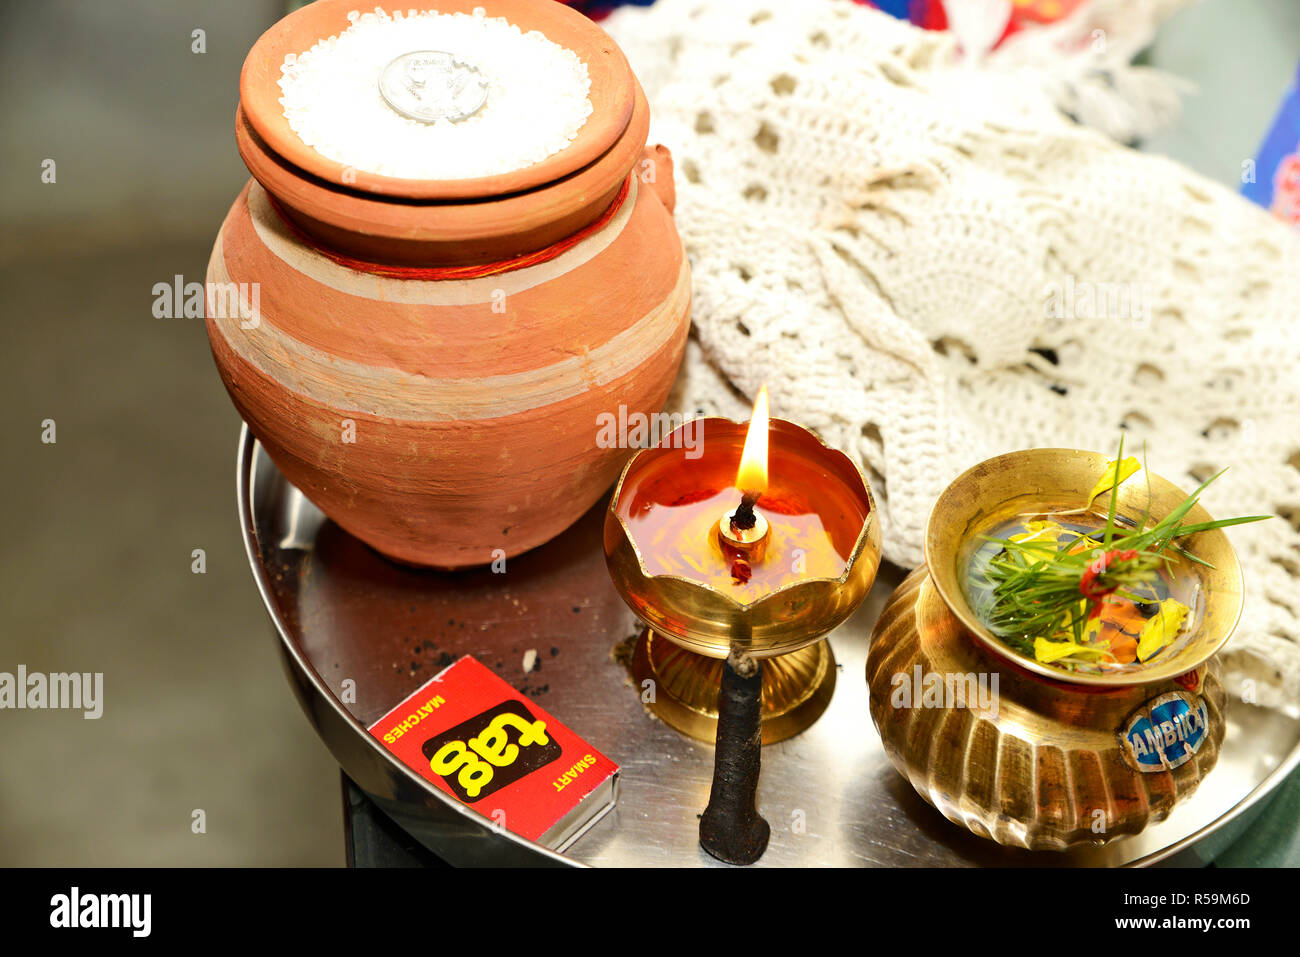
point(797, 687)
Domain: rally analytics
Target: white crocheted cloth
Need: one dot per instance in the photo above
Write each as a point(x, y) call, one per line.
point(904, 248)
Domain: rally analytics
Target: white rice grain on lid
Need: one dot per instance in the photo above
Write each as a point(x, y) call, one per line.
point(537, 97)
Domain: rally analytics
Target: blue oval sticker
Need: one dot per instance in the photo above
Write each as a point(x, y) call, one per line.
point(1165, 732)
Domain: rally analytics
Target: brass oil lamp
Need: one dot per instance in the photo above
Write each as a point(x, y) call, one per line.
point(740, 550)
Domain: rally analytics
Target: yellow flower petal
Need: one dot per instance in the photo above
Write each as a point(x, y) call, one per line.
point(1161, 628)
point(1049, 651)
point(1108, 478)
point(1043, 539)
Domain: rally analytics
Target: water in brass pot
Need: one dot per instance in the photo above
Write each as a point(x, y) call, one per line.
point(1121, 632)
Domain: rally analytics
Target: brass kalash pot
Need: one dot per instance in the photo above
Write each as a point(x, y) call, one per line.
point(1049, 759)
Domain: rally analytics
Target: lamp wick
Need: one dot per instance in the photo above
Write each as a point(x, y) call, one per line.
point(744, 518)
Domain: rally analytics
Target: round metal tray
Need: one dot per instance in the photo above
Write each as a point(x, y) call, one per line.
point(358, 633)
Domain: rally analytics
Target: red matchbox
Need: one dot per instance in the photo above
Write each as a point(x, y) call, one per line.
point(476, 738)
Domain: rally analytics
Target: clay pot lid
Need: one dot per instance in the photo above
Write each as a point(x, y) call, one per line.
point(612, 94)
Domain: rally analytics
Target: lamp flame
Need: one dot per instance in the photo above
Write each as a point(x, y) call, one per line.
point(751, 478)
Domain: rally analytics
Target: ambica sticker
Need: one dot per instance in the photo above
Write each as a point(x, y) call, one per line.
point(1166, 732)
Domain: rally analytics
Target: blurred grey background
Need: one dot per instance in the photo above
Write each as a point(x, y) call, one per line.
point(99, 528)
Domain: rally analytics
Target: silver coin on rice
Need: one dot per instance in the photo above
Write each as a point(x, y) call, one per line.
point(431, 85)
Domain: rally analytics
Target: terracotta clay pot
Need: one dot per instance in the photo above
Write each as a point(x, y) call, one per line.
point(449, 421)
